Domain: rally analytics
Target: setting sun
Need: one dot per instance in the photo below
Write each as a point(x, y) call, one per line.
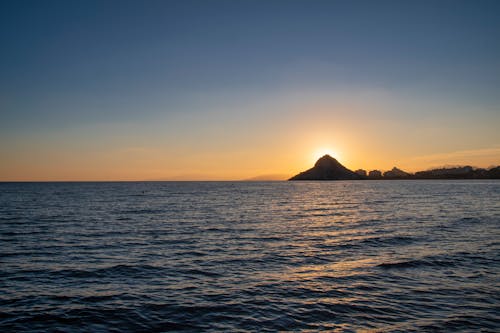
point(325, 151)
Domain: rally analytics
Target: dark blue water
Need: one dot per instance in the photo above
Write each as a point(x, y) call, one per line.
point(208, 256)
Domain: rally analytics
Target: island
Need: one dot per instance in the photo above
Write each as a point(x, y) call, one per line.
point(328, 168)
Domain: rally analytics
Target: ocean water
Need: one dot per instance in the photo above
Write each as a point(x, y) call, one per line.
point(346, 256)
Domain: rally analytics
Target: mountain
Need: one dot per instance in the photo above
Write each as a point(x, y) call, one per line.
point(396, 173)
point(266, 177)
point(465, 172)
point(327, 168)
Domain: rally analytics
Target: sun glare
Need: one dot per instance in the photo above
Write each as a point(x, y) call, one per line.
point(325, 151)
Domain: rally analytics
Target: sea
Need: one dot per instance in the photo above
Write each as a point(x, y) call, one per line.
point(338, 256)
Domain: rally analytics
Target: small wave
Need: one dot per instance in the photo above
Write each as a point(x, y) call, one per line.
point(394, 240)
point(9, 218)
point(141, 211)
point(463, 323)
point(362, 243)
point(106, 272)
point(128, 270)
point(199, 272)
point(417, 263)
point(192, 254)
point(97, 319)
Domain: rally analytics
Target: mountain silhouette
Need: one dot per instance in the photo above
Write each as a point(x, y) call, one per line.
point(327, 168)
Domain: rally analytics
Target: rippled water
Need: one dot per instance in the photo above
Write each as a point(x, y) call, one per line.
point(221, 256)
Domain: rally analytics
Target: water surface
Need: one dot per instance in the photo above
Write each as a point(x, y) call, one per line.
point(244, 256)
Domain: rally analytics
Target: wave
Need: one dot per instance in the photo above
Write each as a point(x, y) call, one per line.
point(417, 263)
point(485, 257)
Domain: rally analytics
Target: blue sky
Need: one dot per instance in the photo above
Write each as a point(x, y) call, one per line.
point(72, 65)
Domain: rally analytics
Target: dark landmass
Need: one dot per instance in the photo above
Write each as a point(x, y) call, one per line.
point(266, 177)
point(396, 173)
point(466, 172)
point(328, 168)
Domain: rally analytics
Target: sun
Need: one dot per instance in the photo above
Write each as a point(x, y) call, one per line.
point(325, 151)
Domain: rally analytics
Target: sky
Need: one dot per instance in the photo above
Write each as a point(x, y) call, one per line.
point(233, 90)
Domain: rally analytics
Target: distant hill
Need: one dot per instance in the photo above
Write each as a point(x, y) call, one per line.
point(466, 172)
point(327, 168)
point(396, 173)
point(266, 177)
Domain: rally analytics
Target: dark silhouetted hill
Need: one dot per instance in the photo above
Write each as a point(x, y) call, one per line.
point(361, 172)
point(494, 172)
point(396, 173)
point(466, 172)
point(375, 174)
point(327, 168)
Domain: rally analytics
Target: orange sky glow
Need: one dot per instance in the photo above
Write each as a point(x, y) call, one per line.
point(278, 140)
